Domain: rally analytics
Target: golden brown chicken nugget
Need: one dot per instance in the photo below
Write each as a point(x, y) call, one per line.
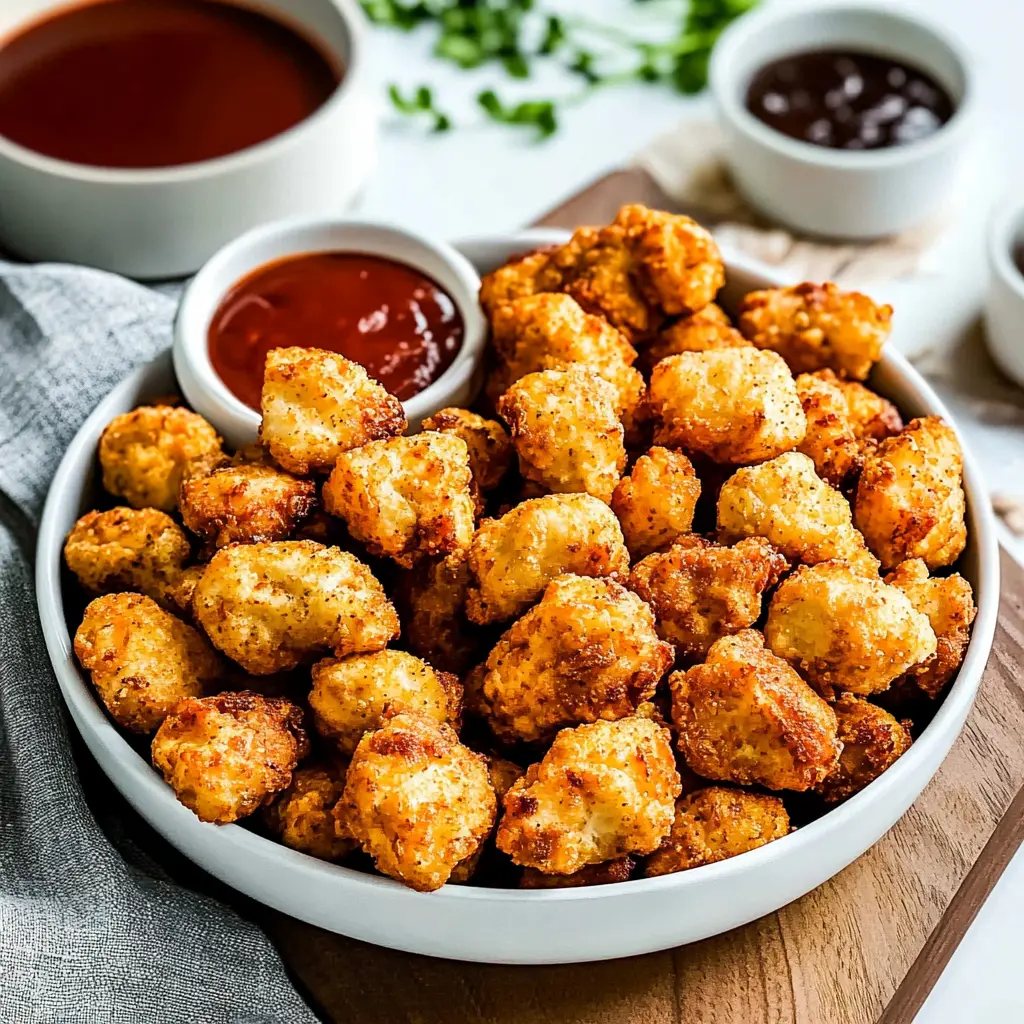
point(512, 559)
point(708, 329)
point(817, 327)
point(610, 871)
point(745, 716)
point(417, 800)
point(302, 816)
point(490, 447)
point(317, 405)
point(225, 756)
point(717, 823)
point(910, 499)
point(274, 606)
point(701, 591)
point(177, 596)
point(144, 452)
point(831, 440)
point(874, 418)
point(520, 277)
point(143, 660)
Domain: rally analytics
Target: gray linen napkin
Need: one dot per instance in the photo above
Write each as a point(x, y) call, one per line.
point(89, 931)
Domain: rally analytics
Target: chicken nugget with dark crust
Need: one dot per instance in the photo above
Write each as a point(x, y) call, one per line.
point(610, 871)
point(302, 816)
point(873, 417)
point(490, 447)
point(831, 440)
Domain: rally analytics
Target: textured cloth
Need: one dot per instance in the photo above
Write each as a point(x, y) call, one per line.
point(90, 931)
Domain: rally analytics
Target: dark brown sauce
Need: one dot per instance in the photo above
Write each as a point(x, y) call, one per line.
point(157, 83)
point(850, 101)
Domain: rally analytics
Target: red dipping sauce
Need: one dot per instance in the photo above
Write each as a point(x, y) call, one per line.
point(394, 320)
point(157, 83)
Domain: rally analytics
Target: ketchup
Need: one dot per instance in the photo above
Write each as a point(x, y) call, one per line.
point(395, 321)
point(156, 83)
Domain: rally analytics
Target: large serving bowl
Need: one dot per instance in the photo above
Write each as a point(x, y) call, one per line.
point(499, 925)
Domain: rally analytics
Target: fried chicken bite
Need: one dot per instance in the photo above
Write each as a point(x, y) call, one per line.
point(717, 823)
point(143, 453)
point(617, 870)
point(701, 591)
point(225, 756)
point(656, 501)
point(587, 651)
point(142, 660)
point(708, 329)
point(745, 716)
point(787, 503)
point(273, 606)
point(317, 405)
point(350, 694)
point(302, 815)
point(177, 596)
point(490, 447)
point(405, 497)
point(910, 500)
point(732, 404)
point(416, 799)
point(566, 431)
point(817, 327)
point(522, 276)
point(512, 559)
point(831, 440)
point(845, 631)
point(873, 417)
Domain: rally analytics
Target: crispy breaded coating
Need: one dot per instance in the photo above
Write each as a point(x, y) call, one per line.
point(787, 503)
point(715, 824)
point(566, 431)
point(177, 596)
point(910, 499)
point(602, 791)
point(745, 716)
point(350, 694)
point(405, 497)
point(302, 815)
point(617, 870)
point(490, 447)
point(845, 631)
point(317, 405)
point(701, 591)
point(143, 453)
point(274, 606)
point(708, 329)
point(512, 559)
point(655, 503)
point(817, 327)
point(417, 800)
point(225, 756)
point(143, 660)
point(588, 650)
point(949, 604)
point(831, 440)
point(522, 276)
point(731, 404)
point(874, 418)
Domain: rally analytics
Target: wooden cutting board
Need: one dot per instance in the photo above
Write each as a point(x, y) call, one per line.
point(865, 948)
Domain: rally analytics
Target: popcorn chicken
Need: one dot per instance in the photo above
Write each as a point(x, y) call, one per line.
point(302, 815)
point(225, 756)
point(490, 447)
point(844, 631)
point(788, 504)
point(566, 431)
point(910, 500)
point(617, 870)
point(602, 791)
point(317, 405)
point(416, 800)
point(350, 694)
point(717, 823)
point(143, 453)
point(512, 559)
point(274, 606)
point(656, 502)
point(700, 591)
point(732, 404)
point(405, 497)
point(143, 660)
point(746, 717)
point(873, 417)
point(522, 276)
point(699, 332)
point(177, 596)
point(831, 440)
point(818, 326)
point(586, 651)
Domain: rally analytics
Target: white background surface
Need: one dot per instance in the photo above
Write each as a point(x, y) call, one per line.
point(481, 179)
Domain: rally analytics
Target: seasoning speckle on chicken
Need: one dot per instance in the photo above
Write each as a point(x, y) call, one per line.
point(708, 329)
point(490, 448)
point(831, 439)
point(302, 816)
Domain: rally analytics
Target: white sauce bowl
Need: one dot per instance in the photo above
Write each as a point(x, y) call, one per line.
point(1004, 307)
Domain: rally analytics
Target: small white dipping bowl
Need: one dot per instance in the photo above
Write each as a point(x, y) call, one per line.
point(1004, 308)
point(164, 222)
point(832, 192)
point(235, 421)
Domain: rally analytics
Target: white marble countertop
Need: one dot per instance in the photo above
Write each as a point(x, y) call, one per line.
point(482, 179)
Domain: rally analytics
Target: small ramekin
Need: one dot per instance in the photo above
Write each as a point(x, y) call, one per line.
point(829, 192)
point(1004, 306)
point(164, 222)
point(236, 422)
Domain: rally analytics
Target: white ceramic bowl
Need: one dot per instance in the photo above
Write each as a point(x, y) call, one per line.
point(833, 192)
point(1004, 307)
point(164, 222)
point(235, 421)
point(511, 926)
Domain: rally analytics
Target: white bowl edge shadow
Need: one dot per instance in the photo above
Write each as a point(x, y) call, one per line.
point(507, 925)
